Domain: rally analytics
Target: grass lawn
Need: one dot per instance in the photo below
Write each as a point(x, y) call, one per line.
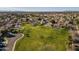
point(41, 38)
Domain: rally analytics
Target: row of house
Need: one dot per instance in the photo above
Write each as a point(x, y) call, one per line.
point(56, 20)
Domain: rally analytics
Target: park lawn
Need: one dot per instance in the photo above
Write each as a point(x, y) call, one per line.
point(41, 38)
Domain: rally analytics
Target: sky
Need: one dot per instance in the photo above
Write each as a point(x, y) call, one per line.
point(39, 9)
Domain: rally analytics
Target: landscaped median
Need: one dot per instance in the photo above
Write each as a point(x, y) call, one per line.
point(41, 38)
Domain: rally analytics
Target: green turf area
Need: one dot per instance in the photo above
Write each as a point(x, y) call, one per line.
point(41, 38)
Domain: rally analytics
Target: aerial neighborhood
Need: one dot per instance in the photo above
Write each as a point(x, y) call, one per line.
point(11, 29)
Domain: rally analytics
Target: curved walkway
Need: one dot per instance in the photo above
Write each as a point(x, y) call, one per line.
point(16, 41)
point(12, 42)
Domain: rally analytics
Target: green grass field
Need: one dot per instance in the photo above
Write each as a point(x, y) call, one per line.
point(41, 38)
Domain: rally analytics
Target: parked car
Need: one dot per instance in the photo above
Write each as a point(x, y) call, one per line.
point(2, 45)
point(10, 34)
point(1, 39)
point(2, 49)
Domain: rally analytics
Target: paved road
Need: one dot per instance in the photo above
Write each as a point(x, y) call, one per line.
point(11, 42)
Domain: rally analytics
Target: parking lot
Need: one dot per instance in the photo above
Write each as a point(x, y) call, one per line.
point(10, 43)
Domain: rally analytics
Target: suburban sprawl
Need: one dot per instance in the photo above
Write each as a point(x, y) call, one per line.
point(39, 31)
